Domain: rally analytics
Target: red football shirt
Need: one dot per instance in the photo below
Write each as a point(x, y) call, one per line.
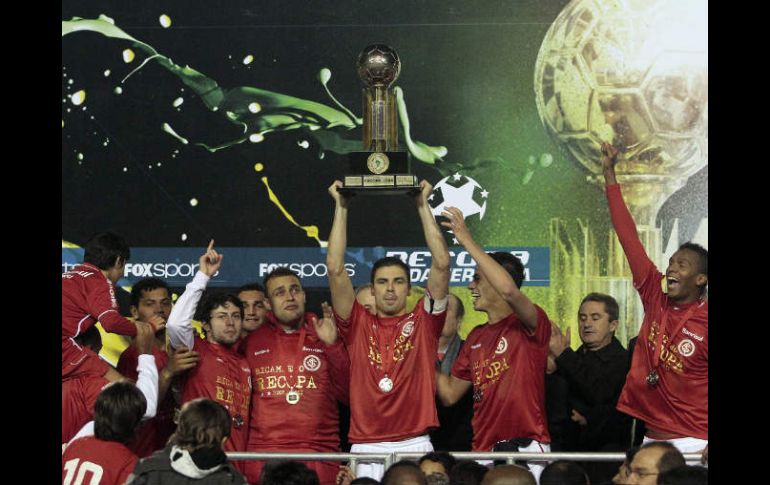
point(96, 462)
point(506, 365)
point(279, 362)
point(152, 434)
point(679, 402)
point(409, 409)
point(224, 376)
point(78, 396)
point(87, 296)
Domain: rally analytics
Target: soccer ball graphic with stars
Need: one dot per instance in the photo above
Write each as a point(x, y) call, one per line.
point(459, 191)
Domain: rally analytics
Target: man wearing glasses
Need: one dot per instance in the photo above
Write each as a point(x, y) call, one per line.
point(221, 374)
point(650, 461)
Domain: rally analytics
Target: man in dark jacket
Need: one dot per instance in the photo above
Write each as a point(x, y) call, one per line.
point(195, 453)
point(596, 373)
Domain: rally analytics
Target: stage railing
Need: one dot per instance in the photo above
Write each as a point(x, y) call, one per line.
point(389, 458)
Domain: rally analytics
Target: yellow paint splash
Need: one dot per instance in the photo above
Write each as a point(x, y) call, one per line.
point(311, 231)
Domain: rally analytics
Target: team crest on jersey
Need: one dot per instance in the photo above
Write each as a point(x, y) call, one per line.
point(311, 363)
point(502, 346)
point(686, 347)
point(408, 328)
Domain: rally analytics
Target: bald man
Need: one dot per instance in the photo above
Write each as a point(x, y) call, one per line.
point(509, 475)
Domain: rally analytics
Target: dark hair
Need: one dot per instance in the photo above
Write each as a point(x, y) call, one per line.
point(202, 423)
point(365, 481)
point(512, 265)
point(104, 249)
point(146, 284)
point(467, 472)
point(563, 472)
point(391, 261)
point(460, 306)
point(91, 338)
point(446, 459)
point(610, 304)
point(407, 465)
point(250, 287)
point(214, 300)
point(118, 410)
point(684, 475)
point(277, 272)
point(703, 256)
point(671, 458)
point(287, 473)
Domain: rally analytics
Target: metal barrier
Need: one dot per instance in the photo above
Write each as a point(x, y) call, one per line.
point(389, 458)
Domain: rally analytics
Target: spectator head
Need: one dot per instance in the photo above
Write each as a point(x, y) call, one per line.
point(118, 410)
point(621, 477)
point(563, 472)
point(287, 473)
point(437, 462)
point(651, 460)
point(202, 423)
point(404, 472)
point(509, 475)
point(467, 472)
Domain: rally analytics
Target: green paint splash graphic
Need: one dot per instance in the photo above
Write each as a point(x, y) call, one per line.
point(280, 112)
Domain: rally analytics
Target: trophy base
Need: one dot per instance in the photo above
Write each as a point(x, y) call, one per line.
point(380, 184)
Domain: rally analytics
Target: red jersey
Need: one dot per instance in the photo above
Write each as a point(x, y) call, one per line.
point(506, 365)
point(319, 374)
point(407, 346)
point(679, 402)
point(224, 376)
point(96, 462)
point(78, 396)
point(87, 296)
point(151, 435)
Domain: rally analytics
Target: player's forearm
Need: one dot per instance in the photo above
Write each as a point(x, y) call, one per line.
point(340, 286)
point(179, 325)
point(114, 322)
point(338, 241)
point(447, 393)
point(438, 281)
point(164, 383)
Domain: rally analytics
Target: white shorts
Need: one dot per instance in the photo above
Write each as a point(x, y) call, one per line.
point(535, 467)
point(377, 470)
point(685, 445)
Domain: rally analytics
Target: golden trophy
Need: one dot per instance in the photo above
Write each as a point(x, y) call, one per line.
point(381, 168)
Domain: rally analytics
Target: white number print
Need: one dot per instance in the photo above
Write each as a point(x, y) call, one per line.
point(73, 466)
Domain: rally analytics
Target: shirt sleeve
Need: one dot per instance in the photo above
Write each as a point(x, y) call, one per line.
point(462, 366)
point(640, 264)
point(345, 325)
point(542, 333)
point(147, 382)
point(179, 326)
point(339, 371)
point(102, 305)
